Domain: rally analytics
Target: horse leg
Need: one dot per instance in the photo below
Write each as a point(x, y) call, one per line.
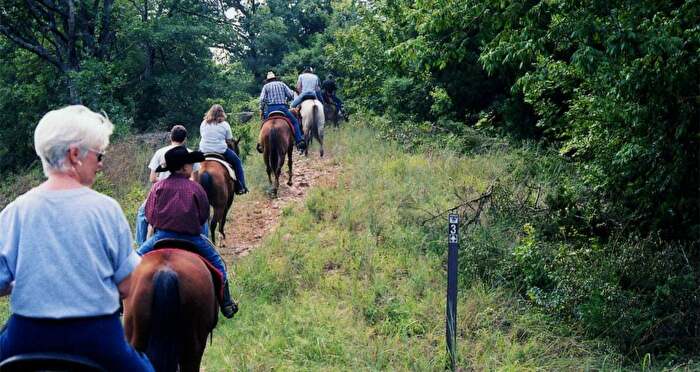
point(219, 218)
point(320, 139)
point(278, 171)
point(289, 160)
point(212, 227)
point(223, 220)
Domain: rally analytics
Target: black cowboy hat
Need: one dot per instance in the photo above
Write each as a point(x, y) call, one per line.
point(178, 156)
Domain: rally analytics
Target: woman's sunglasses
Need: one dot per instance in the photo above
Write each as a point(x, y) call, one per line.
point(100, 155)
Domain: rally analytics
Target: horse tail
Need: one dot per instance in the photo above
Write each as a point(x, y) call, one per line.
point(164, 341)
point(317, 122)
point(272, 154)
point(207, 184)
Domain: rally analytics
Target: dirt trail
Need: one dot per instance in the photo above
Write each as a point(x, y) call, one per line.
point(255, 215)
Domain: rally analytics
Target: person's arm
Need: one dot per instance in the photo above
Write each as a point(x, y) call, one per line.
point(289, 92)
point(202, 204)
point(9, 241)
point(299, 84)
point(123, 258)
point(151, 205)
point(262, 98)
point(124, 287)
point(152, 165)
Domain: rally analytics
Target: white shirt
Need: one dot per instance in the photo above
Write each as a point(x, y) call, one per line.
point(159, 159)
point(214, 136)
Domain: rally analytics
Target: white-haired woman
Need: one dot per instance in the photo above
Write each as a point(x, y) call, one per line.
point(65, 251)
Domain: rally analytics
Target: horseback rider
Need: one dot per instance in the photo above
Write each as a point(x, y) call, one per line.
point(177, 207)
point(274, 97)
point(214, 132)
point(329, 89)
point(308, 86)
point(178, 137)
point(65, 251)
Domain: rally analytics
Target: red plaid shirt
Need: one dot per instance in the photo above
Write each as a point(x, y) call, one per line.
point(177, 204)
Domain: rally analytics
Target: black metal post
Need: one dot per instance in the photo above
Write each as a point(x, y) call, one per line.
point(452, 257)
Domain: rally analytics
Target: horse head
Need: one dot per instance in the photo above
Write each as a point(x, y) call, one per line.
point(233, 145)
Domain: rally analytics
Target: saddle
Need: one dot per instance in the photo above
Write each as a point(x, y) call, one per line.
point(279, 115)
point(308, 96)
point(220, 158)
point(217, 277)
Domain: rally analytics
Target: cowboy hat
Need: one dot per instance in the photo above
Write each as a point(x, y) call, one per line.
point(178, 156)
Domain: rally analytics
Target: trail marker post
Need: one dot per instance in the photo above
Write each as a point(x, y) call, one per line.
point(452, 257)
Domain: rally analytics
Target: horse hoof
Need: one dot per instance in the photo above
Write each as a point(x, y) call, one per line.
point(321, 153)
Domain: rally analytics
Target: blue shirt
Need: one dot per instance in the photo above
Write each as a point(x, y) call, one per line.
point(66, 251)
point(309, 83)
point(275, 93)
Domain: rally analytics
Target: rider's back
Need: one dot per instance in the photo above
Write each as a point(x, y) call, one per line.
point(73, 269)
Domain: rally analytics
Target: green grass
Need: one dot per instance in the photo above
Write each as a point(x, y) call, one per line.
point(351, 280)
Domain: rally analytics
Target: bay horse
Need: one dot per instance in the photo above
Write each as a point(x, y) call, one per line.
point(331, 110)
point(312, 120)
point(171, 309)
point(220, 189)
point(277, 141)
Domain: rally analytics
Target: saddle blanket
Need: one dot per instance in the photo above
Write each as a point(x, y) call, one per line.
point(225, 164)
point(280, 115)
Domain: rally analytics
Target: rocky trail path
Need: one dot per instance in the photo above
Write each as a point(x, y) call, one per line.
point(255, 215)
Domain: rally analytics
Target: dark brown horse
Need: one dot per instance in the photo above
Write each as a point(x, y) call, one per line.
point(277, 141)
point(217, 182)
point(171, 309)
point(331, 111)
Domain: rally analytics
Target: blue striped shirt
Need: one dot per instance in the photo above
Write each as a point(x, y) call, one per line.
point(275, 93)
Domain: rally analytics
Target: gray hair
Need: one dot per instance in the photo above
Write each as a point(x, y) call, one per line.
point(75, 126)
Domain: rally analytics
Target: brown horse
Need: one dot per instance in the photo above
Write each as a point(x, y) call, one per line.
point(331, 111)
point(171, 309)
point(277, 141)
point(217, 182)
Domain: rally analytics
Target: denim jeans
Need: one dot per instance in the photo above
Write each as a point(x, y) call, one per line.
point(202, 244)
point(142, 226)
point(292, 118)
point(233, 159)
point(99, 338)
point(297, 101)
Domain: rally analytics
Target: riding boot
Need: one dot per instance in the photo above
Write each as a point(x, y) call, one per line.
point(228, 306)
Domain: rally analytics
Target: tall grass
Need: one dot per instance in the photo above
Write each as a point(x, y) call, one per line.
point(350, 279)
